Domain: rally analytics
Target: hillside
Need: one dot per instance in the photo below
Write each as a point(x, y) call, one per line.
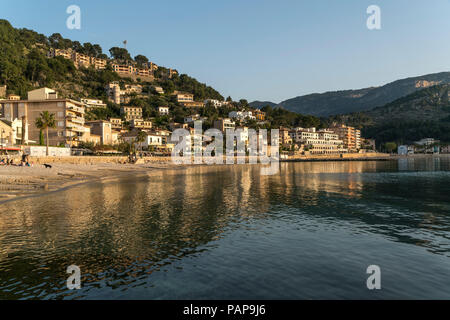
point(424, 113)
point(261, 104)
point(24, 66)
point(342, 102)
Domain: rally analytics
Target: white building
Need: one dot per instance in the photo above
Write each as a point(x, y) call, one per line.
point(93, 104)
point(405, 150)
point(318, 142)
point(241, 115)
point(151, 140)
point(215, 103)
point(163, 111)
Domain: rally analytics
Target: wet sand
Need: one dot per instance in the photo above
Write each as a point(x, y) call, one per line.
point(18, 181)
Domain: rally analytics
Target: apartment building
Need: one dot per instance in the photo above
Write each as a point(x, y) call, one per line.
point(91, 104)
point(131, 112)
point(65, 53)
point(124, 69)
point(141, 124)
point(69, 116)
point(349, 135)
point(98, 63)
point(224, 124)
point(131, 71)
point(79, 59)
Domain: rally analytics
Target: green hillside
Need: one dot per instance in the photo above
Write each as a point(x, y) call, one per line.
point(424, 113)
point(24, 66)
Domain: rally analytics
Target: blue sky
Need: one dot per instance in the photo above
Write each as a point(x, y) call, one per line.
point(261, 49)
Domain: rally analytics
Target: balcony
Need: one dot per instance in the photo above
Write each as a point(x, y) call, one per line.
point(75, 109)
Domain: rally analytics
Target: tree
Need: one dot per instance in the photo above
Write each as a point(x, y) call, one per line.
point(243, 103)
point(229, 99)
point(140, 59)
point(140, 138)
point(120, 53)
point(41, 138)
point(46, 120)
point(390, 146)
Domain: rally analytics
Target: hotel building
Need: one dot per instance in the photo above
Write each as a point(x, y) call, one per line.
point(69, 116)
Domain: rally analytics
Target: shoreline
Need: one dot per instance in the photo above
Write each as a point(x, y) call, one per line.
point(21, 182)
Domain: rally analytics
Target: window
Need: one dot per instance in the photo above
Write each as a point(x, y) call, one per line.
point(60, 123)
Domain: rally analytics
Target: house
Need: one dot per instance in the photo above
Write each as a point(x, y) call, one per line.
point(158, 89)
point(131, 112)
point(241, 115)
point(224, 124)
point(260, 115)
point(175, 125)
point(285, 138)
point(183, 97)
point(103, 129)
point(90, 104)
point(150, 140)
point(163, 110)
point(215, 103)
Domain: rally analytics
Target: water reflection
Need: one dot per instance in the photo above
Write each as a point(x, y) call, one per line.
point(121, 232)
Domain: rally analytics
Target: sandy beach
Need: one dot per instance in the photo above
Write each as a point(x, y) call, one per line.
point(18, 181)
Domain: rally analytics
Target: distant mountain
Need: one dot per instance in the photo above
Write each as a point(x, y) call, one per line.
point(260, 104)
point(424, 113)
point(342, 102)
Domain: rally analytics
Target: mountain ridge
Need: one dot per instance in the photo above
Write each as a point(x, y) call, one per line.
point(357, 100)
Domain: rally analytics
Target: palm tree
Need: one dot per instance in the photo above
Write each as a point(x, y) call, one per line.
point(46, 120)
point(141, 137)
